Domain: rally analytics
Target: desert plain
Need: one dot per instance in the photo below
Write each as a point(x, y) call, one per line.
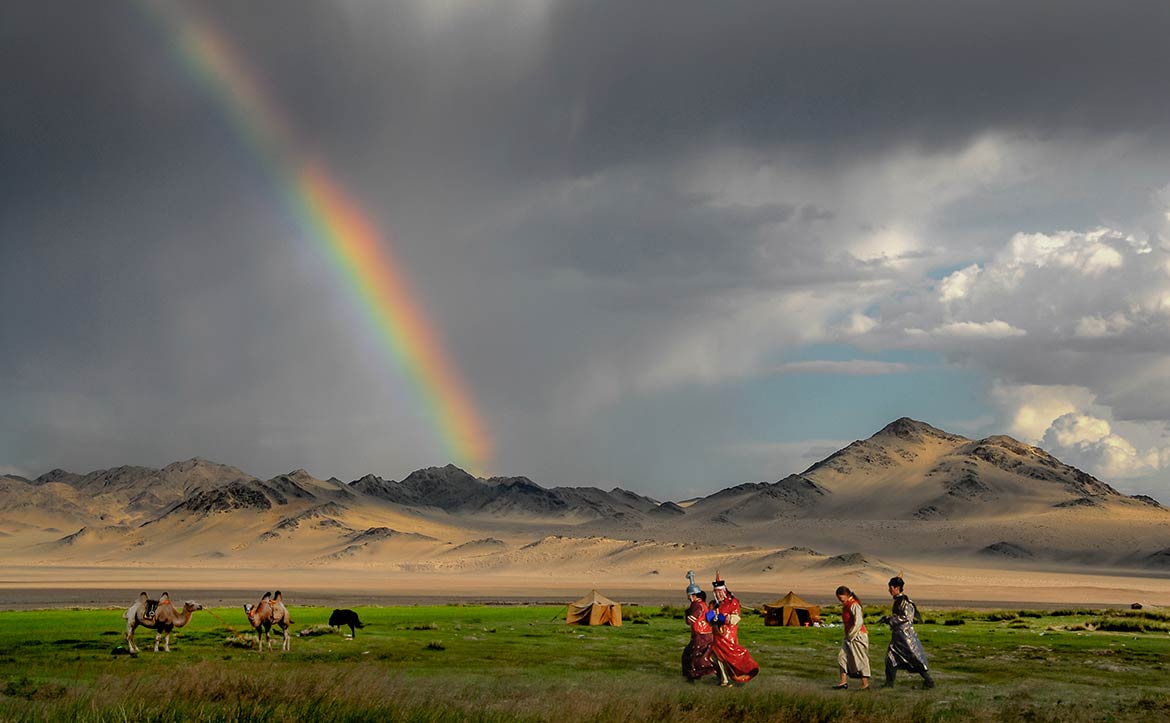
point(968, 523)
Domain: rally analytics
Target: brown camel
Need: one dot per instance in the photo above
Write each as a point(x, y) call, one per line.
point(266, 613)
point(165, 619)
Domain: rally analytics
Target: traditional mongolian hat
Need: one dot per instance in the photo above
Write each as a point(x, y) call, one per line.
point(719, 582)
point(693, 588)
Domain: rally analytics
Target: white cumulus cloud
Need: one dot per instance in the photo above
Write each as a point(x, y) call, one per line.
point(1086, 309)
point(994, 329)
point(1091, 443)
point(1030, 409)
point(1090, 253)
point(957, 285)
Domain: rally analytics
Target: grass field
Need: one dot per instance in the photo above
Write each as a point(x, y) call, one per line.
point(464, 663)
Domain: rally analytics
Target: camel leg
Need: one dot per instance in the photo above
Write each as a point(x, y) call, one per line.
point(167, 641)
point(285, 647)
point(157, 637)
point(130, 638)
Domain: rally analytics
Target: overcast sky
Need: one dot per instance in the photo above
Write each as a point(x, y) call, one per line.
point(670, 246)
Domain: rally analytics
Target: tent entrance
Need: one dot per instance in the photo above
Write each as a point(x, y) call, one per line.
point(790, 610)
point(594, 609)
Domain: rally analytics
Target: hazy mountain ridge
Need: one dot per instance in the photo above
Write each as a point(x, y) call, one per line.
point(947, 494)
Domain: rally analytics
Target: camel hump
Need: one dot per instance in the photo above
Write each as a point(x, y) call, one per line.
point(143, 597)
point(266, 596)
point(277, 595)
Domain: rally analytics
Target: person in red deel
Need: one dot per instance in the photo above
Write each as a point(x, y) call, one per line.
point(733, 660)
point(696, 657)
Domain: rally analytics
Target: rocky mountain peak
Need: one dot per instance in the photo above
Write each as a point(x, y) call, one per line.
point(187, 465)
point(58, 475)
point(449, 474)
point(914, 430)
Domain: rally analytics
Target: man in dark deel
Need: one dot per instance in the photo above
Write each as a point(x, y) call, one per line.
point(905, 650)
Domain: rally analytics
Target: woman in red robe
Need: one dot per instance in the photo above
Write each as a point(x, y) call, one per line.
point(733, 660)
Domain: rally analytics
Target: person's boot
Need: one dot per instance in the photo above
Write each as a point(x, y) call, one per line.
point(891, 672)
point(724, 674)
point(927, 681)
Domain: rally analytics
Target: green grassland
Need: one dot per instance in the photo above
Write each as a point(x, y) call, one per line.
point(480, 663)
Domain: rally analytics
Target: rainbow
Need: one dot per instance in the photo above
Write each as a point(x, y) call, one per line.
point(331, 219)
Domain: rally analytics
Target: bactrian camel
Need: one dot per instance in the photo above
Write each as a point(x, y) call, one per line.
point(165, 619)
point(266, 613)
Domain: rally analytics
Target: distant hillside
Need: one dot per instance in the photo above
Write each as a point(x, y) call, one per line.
point(908, 489)
point(795, 495)
point(910, 469)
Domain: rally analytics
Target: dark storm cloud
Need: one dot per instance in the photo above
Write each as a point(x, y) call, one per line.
point(642, 228)
point(856, 73)
point(606, 83)
point(611, 83)
point(588, 85)
point(544, 171)
point(632, 225)
point(616, 81)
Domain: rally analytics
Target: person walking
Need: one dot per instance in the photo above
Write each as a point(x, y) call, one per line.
point(905, 651)
point(853, 658)
point(696, 657)
point(734, 662)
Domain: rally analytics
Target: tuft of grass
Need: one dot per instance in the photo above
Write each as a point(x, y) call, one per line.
point(1128, 625)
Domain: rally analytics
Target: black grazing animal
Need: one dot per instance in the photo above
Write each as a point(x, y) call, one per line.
point(346, 617)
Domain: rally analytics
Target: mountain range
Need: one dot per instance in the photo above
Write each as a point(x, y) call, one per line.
point(910, 491)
